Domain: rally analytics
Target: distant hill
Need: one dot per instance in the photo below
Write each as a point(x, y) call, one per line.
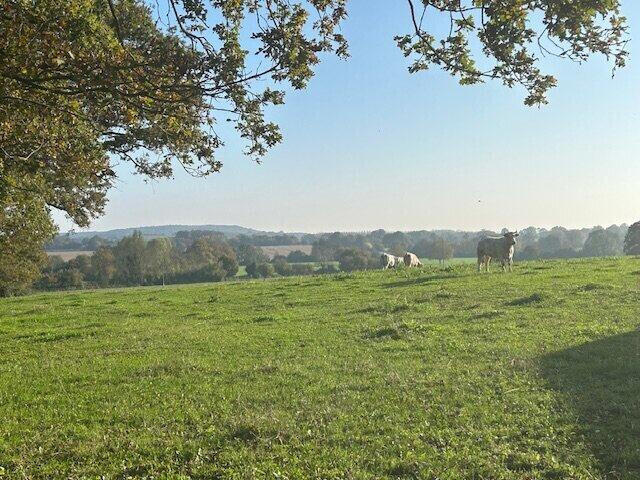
point(166, 231)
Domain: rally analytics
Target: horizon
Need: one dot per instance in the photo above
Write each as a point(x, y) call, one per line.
point(260, 231)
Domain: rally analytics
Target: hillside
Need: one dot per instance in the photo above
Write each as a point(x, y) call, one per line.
point(440, 373)
point(166, 231)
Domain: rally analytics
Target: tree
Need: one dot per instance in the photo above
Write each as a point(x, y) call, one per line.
point(355, 259)
point(507, 32)
point(443, 250)
point(252, 270)
point(601, 243)
point(303, 269)
point(281, 266)
point(247, 254)
point(130, 259)
point(158, 257)
point(103, 266)
point(530, 252)
point(397, 243)
point(265, 270)
point(22, 255)
point(207, 250)
point(298, 256)
point(632, 240)
point(86, 84)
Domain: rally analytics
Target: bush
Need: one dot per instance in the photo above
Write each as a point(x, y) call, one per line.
point(328, 268)
point(302, 269)
point(282, 267)
point(298, 256)
point(356, 259)
point(266, 270)
point(230, 266)
point(252, 270)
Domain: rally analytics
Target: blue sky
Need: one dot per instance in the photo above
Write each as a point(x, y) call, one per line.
point(369, 146)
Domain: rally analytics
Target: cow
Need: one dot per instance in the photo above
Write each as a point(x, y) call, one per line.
point(411, 260)
point(500, 248)
point(388, 261)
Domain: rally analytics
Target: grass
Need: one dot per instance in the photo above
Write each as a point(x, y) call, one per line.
point(432, 374)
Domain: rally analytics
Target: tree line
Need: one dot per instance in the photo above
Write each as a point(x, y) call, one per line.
point(206, 256)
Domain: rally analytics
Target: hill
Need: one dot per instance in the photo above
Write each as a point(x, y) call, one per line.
point(439, 373)
point(166, 231)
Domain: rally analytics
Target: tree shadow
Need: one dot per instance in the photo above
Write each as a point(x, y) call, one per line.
point(601, 382)
point(422, 280)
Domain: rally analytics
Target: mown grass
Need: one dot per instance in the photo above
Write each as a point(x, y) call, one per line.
point(432, 374)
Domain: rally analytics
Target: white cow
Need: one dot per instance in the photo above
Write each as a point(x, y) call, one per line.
point(411, 260)
point(388, 261)
point(500, 248)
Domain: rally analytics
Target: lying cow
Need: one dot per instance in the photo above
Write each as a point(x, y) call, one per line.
point(411, 260)
point(500, 248)
point(388, 261)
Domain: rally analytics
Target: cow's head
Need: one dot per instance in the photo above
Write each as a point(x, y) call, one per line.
point(511, 237)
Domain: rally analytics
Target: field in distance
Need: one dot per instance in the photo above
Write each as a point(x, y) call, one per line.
point(441, 373)
point(67, 255)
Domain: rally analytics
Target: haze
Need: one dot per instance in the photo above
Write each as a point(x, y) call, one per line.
point(369, 146)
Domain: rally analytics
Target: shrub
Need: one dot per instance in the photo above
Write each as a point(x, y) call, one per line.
point(328, 268)
point(356, 259)
point(302, 269)
point(281, 266)
point(266, 270)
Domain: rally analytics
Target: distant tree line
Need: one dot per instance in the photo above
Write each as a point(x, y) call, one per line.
point(136, 261)
point(209, 256)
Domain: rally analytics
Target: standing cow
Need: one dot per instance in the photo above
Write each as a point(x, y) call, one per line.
point(411, 260)
point(500, 248)
point(388, 261)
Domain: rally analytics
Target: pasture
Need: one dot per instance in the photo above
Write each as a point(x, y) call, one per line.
point(285, 250)
point(441, 373)
point(67, 255)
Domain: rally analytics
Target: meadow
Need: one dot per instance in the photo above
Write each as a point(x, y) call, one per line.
point(439, 373)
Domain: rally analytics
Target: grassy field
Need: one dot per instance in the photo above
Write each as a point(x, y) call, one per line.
point(67, 255)
point(435, 374)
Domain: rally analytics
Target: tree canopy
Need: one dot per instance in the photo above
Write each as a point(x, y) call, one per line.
point(88, 84)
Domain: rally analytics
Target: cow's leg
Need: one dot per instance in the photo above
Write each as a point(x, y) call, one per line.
point(480, 262)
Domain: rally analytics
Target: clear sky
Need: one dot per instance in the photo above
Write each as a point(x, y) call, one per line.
point(369, 146)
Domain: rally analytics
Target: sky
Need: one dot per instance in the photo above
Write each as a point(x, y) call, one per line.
point(368, 145)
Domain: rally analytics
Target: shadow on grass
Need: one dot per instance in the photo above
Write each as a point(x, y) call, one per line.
point(422, 280)
point(601, 382)
point(535, 298)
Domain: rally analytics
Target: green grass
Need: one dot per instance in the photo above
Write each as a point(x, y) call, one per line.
point(432, 374)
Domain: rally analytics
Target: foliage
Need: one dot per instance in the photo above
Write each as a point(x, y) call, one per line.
point(281, 266)
point(130, 260)
point(298, 256)
point(301, 269)
point(159, 258)
point(24, 227)
point(103, 266)
point(265, 270)
point(356, 259)
point(632, 240)
point(247, 254)
point(508, 33)
point(435, 374)
point(601, 243)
